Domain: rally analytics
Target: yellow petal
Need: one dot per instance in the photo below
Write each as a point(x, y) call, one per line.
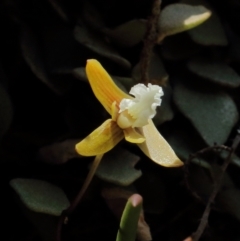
point(101, 140)
point(103, 86)
point(114, 111)
point(131, 135)
point(157, 148)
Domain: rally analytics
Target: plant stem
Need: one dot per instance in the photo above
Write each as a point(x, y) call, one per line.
point(86, 183)
point(64, 217)
point(204, 220)
point(129, 220)
point(196, 154)
point(149, 41)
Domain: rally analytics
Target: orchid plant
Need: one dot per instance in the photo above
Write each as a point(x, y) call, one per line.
point(131, 117)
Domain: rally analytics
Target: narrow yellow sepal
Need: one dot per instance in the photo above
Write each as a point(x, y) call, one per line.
point(131, 135)
point(101, 140)
point(157, 148)
point(103, 86)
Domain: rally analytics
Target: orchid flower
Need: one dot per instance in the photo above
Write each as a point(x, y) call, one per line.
point(131, 117)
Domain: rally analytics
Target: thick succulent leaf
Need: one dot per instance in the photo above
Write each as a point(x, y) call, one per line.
point(34, 58)
point(92, 16)
point(179, 47)
point(80, 73)
point(103, 86)
point(128, 34)
point(125, 82)
point(157, 148)
point(40, 196)
point(210, 32)
point(216, 72)
point(6, 111)
point(176, 18)
point(213, 114)
point(235, 160)
point(117, 166)
point(101, 140)
point(59, 152)
point(61, 51)
point(165, 111)
point(98, 45)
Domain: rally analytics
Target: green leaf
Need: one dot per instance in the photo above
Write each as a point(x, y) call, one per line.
point(129, 221)
point(92, 16)
point(39, 63)
point(98, 45)
point(210, 32)
point(127, 82)
point(235, 160)
point(80, 74)
point(59, 152)
point(40, 196)
point(213, 114)
point(173, 48)
point(118, 81)
point(61, 51)
point(33, 57)
point(182, 144)
point(128, 34)
point(6, 112)
point(178, 17)
point(216, 72)
point(165, 111)
point(117, 166)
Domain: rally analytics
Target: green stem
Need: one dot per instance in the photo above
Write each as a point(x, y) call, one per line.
point(76, 201)
point(86, 183)
point(129, 220)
